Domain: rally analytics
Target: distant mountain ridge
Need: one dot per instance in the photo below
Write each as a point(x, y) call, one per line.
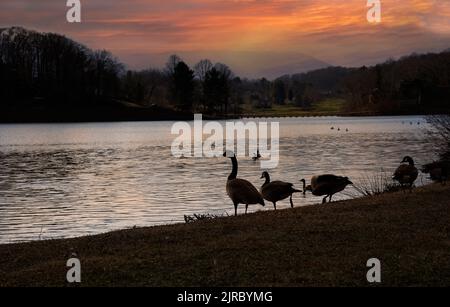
point(306, 64)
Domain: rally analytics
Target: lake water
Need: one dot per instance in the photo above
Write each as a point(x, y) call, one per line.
point(68, 180)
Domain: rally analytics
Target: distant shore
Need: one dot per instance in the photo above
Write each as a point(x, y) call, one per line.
point(121, 111)
point(107, 114)
point(90, 114)
point(323, 245)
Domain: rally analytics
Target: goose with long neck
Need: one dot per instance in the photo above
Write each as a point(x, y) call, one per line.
point(406, 173)
point(306, 188)
point(234, 170)
point(326, 185)
point(241, 191)
point(276, 191)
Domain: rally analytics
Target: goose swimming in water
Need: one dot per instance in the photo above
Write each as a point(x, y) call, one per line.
point(257, 156)
point(241, 191)
point(406, 174)
point(327, 185)
point(276, 191)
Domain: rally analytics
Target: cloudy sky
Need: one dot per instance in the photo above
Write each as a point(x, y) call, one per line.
point(252, 36)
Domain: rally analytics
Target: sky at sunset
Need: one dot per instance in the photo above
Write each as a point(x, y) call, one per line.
point(254, 37)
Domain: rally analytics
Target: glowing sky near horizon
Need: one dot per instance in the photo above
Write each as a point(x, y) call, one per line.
point(249, 35)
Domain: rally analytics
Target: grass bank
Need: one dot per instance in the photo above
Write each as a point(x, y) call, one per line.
point(324, 245)
point(328, 107)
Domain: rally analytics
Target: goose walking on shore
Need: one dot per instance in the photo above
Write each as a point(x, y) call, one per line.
point(327, 185)
point(276, 191)
point(241, 191)
point(407, 173)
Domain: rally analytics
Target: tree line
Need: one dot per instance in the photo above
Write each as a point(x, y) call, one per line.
point(52, 69)
point(46, 69)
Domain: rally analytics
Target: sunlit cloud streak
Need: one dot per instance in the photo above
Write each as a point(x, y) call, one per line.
point(244, 32)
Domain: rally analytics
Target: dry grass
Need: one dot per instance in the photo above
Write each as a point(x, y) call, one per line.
point(325, 245)
point(372, 185)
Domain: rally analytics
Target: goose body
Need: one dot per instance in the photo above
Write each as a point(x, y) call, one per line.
point(438, 171)
point(276, 191)
point(327, 185)
point(406, 174)
point(241, 191)
point(257, 156)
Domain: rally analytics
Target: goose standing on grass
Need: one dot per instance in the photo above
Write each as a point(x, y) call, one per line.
point(406, 174)
point(241, 191)
point(327, 185)
point(439, 171)
point(277, 190)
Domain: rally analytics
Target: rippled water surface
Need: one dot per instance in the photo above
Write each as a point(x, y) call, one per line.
point(67, 180)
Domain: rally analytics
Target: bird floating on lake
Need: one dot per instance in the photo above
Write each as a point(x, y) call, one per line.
point(257, 156)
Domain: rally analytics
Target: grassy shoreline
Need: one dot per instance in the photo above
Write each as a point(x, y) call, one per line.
point(120, 111)
point(323, 245)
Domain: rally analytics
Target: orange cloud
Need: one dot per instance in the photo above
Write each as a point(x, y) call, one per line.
point(336, 31)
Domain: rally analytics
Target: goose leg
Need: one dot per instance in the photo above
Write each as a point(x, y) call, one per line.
point(275, 205)
point(246, 208)
point(292, 203)
point(324, 200)
point(331, 197)
point(235, 209)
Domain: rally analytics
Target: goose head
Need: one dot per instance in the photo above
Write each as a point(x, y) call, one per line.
point(408, 160)
point(347, 181)
point(265, 175)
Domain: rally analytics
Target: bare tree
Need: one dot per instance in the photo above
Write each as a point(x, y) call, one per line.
point(202, 68)
point(225, 71)
point(441, 126)
point(172, 62)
